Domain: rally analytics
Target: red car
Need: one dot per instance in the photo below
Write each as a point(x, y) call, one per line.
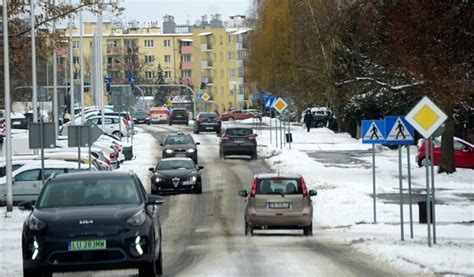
point(236, 114)
point(463, 153)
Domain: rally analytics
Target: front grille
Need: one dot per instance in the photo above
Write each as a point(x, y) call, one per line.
point(84, 257)
point(180, 150)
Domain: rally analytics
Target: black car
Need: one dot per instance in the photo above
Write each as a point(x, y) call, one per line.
point(238, 140)
point(207, 121)
point(141, 116)
point(176, 175)
point(179, 115)
point(92, 221)
point(180, 145)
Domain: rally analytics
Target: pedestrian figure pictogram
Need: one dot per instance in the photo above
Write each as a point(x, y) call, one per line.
point(374, 132)
point(400, 129)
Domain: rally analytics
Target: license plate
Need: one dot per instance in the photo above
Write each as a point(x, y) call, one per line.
point(79, 245)
point(209, 128)
point(180, 155)
point(16, 123)
point(278, 205)
point(238, 141)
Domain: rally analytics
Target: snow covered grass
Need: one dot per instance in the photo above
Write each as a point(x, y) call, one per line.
point(344, 203)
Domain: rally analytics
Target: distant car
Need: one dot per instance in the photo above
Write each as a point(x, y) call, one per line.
point(180, 145)
point(256, 113)
point(19, 121)
point(92, 221)
point(179, 115)
point(141, 116)
point(114, 125)
point(176, 175)
point(238, 140)
point(320, 117)
point(278, 202)
point(463, 153)
point(158, 115)
point(207, 121)
point(27, 179)
point(236, 114)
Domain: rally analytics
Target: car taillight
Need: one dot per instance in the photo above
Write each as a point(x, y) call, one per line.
point(112, 156)
point(251, 137)
point(253, 189)
point(303, 188)
point(225, 137)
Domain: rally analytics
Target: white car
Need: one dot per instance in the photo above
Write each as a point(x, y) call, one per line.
point(27, 183)
point(114, 125)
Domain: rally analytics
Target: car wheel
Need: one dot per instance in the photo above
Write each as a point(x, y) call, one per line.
point(221, 155)
point(148, 270)
point(320, 124)
point(148, 123)
point(196, 131)
point(308, 230)
point(31, 273)
point(159, 264)
point(254, 156)
point(248, 229)
point(170, 123)
point(199, 189)
point(117, 134)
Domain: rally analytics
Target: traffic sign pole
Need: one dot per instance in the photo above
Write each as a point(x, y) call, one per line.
point(428, 218)
point(401, 190)
point(373, 182)
point(409, 190)
point(433, 190)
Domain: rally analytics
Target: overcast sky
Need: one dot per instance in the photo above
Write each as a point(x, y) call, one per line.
point(182, 10)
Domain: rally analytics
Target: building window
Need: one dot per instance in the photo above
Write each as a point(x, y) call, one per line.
point(221, 39)
point(149, 43)
point(241, 89)
point(241, 55)
point(186, 74)
point(186, 58)
point(167, 58)
point(149, 75)
point(75, 44)
point(149, 59)
point(167, 74)
point(129, 43)
point(231, 55)
point(241, 72)
point(75, 60)
point(232, 73)
point(231, 38)
point(167, 43)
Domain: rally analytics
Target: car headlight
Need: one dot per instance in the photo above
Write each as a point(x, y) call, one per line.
point(191, 150)
point(169, 151)
point(158, 179)
point(137, 219)
point(35, 224)
point(193, 178)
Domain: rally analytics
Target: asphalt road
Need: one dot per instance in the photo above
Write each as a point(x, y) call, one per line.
point(204, 234)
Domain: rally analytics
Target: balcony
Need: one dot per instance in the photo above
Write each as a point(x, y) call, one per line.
point(206, 64)
point(115, 50)
point(187, 81)
point(114, 66)
point(207, 80)
point(186, 66)
point(240, 63)
point(186, 50)
point(131, 50)
point(206, 47)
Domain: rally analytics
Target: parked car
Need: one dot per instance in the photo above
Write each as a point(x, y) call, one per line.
point(90, 221)
point(207, 121)
point(278, 202)
point(180, 145)
point(256, 113)
point(179, 115)
point(463, 153)
point(176, 175)
point(320, 117)
point(158, 115)
point(141, 116)
point(238, 140)
point(114, 125)
point(26, 180)
point(236, 114)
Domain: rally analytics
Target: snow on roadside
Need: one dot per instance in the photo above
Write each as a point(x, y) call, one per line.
point(344, 204)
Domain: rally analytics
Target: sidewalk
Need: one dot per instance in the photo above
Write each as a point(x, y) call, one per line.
point(344, 204)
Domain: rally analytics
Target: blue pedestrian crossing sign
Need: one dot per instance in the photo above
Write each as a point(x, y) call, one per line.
point(373, 131)
point(270, 101)
point(398, 130)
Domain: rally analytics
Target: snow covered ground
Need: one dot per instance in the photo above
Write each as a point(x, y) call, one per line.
point(344, 203)
point(345, 206)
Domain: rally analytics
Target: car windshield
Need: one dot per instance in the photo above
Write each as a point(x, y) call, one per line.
point(177, 140)
point(179, 112)
point(175, 164)
point(208, 115)
point(238, 132)
point(140, 113)
point(278, 186)
point(96, 192)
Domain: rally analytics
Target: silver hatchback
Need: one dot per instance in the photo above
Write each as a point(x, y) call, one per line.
point(278, 202)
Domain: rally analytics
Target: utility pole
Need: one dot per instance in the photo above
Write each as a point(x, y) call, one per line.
point(33, 62)
point(8, 123)
point(81, 30)
point(71, 68)
point(55, 84)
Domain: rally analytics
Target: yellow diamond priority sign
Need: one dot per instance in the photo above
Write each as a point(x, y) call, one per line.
point(280, 105)
point(426, 117)
point(205, 97)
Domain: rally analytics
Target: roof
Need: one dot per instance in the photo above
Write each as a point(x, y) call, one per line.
point(93, 175)
point(272, 175)
point(205, 34)
point(176, 159)
point(48, 163)
point(238, 126)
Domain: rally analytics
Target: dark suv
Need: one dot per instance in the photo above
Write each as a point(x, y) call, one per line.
point(179, 115)
point(180, 145)
point(238, 140)
point(207, 121)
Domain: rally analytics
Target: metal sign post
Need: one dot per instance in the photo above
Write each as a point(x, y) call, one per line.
point(399, 132)
point(373, 131)
point(426, 117)
point(409, 190)
point(433, 189)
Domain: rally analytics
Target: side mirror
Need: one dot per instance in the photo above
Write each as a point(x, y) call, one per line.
point(313, 193)
point(201, 167)
point(218, 135)
point(197, 143)
point(161, 144)
point(255, 135)
point(27, 205)
point(154, 200)
point(243, 193)
point(151, 169)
